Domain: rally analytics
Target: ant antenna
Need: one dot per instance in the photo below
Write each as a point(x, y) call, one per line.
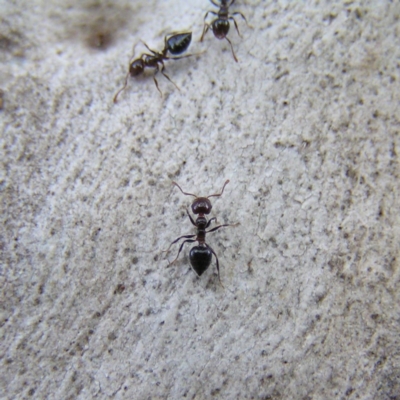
point(222, 191)
point(188, 194)
point(115, 99)
point(122, 89)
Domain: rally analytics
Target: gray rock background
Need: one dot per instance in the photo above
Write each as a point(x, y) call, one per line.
point(306, 127)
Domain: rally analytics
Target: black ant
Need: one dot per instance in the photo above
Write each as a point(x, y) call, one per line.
point(174, 44)
point(200, 256)
point(220, 26)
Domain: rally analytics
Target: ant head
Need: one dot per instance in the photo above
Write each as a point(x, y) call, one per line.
point(136, 67)
point(201, 205)
point(220, 28)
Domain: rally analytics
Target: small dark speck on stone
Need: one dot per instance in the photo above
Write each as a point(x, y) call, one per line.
point(119, 289)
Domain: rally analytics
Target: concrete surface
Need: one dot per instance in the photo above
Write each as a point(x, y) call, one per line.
point(306, 127)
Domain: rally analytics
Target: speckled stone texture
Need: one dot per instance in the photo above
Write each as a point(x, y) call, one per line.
point(306, 128)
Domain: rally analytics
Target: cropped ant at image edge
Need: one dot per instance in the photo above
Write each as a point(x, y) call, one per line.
point(220, 26)
point(174, 44)
point(200, 256)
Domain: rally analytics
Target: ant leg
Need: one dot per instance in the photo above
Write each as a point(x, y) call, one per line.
point(236, 26)
point(210, 12)
point(162, 71)
point(209, 222)
point(165, 42)
point(215, 4)
point(180, 248)
point(205, 30)
point(239, 13)
point(165, 50)
point(216, 258)
point(122, 89)
point(191, 219)
point(187, 194)
point(148, 48)
point(155, 80)
point(233, 53)
point(222, 191)
point(177, 240)
point(221, 226)
point(185, 56)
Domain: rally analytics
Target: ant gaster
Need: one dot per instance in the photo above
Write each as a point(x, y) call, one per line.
point(200, 256)
point(174, 44)
point(220, 26)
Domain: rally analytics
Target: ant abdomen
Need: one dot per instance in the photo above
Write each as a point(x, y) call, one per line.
point(177, 44)
point(200, 259)
point(220, 28)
